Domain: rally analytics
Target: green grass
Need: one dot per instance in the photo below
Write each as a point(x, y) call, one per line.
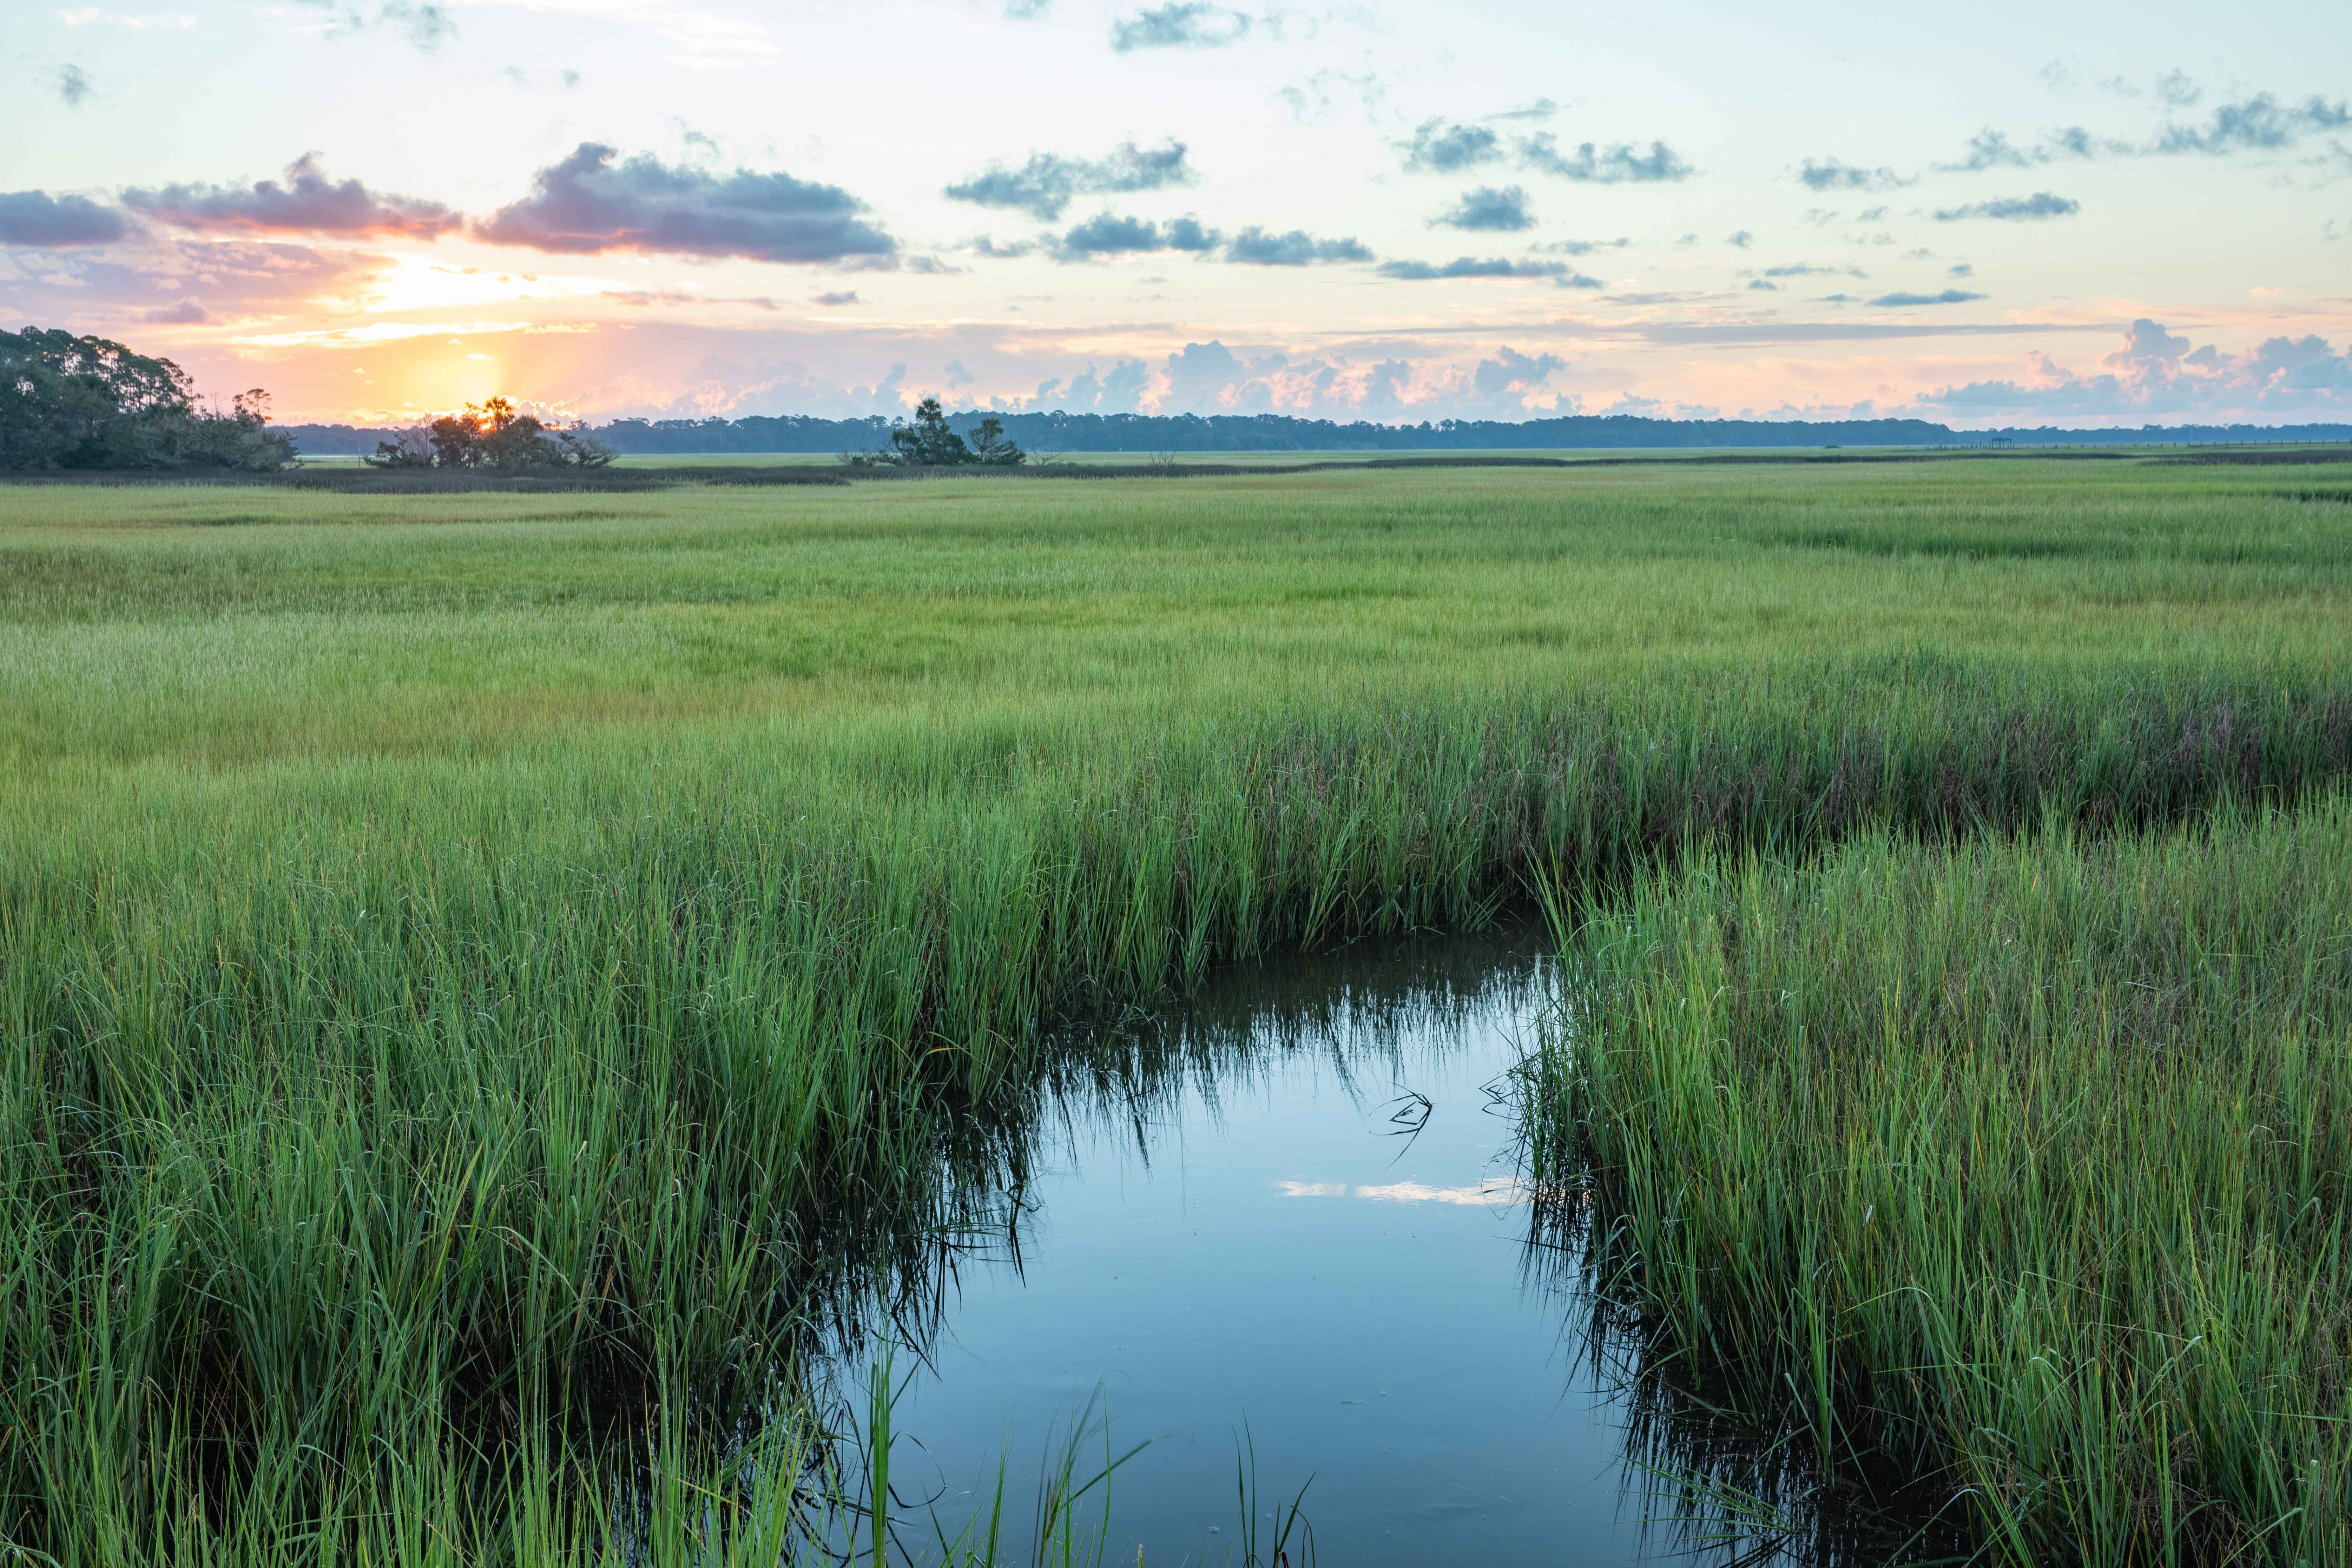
point(2016, 1170)
point(478, 972)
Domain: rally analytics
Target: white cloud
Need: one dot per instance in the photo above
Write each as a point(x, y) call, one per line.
point(1506, 1190)
point(146, 22)
point(2155, 372)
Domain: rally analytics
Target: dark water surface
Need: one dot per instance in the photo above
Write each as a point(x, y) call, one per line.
point(1294, 1206)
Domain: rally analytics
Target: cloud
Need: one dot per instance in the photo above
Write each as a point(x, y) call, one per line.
point(1582, 246)
point(2258, 124)
point(1180, 24)
point(958, 375)
point(1510, 1190)
point(1490, 266)
point(1311, 99)
point(1254, 246)
point(1830, 174)
point(1764, 284)
point(1384, 388)
point(585, 205)
point(1489, 210)
point(74, 86)
point(1740, 240)
point(186, 314)
point(1120, 392)
point(1990, 149)
point(145, 22)
point(1044, 185)
point(1510, 375)
point(307, 203)
point(836, 299)
point(643, 299)
point(717, 385)
point(1948, 297)
point(1212, 377)
point(1759, 331)
point(38, 219)
point(1113, 234)
point(2014, 209)
point(1806, 270)
point(1447, 147)
point(2146, 346)
point(237, 280)
point(1621, 164)
point(2175, 90)
point(1199, 375)
point(2156, 372)
point(425, 25)
point(2287, 367)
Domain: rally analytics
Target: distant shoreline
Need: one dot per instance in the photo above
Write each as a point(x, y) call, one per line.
point(1101, 435)
point(346, 476)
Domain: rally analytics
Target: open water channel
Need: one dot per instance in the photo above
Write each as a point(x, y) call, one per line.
point(1291, 1221)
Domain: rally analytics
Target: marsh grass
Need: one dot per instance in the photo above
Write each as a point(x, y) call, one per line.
point(478, 973)
point(2011, 1169)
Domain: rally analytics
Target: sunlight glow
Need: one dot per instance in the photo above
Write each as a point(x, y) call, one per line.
point(377, 332)
point(413, 282)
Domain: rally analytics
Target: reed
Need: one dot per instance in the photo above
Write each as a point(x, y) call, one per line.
point(2014, 1168)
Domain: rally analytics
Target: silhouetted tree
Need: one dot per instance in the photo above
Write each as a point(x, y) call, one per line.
point(493, 434)
point(990, 445)
point(928, 443)
point(69, 402)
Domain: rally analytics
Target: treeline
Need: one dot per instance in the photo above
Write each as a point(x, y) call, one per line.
point(84, 403)
point(1054, 432)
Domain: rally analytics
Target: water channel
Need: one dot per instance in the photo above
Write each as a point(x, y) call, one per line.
point(1292, 1216)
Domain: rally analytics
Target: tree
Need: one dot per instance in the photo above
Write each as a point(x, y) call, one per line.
point(493, 434)
point(929, 443)
point(989, 445)
point(69, 402)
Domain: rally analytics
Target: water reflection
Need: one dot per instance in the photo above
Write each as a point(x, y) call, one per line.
point(1295, 1216)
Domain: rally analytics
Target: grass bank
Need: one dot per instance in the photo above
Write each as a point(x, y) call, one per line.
point(478, 971)
point(2014, 1170)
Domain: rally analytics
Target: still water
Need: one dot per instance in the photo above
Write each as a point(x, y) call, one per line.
point(1294, 1212)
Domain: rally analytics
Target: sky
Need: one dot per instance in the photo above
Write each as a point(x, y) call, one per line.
point(2008, 213)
